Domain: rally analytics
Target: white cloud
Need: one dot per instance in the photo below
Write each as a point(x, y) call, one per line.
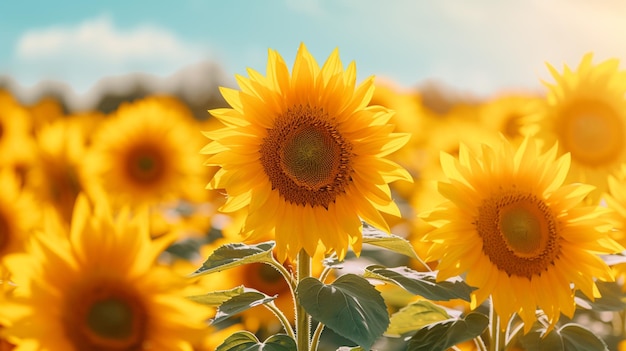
point(83, 53)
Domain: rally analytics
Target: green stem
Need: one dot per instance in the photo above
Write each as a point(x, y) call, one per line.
point(316, 336)
point(622, 323)
point(281, 317)
point(284, 272)
point(480, 343)
point(497, 342)
point(303, 320)
point(325, 274)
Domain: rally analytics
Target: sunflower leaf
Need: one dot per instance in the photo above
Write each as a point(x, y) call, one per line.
point(570, 337)
point(445, 334)
point(421, 283)
point(374, 236)
point(578, 338)
point(233, 255)
point(350, 306)
point(216, 298)
point(414, 317)
point(247, 299)
point(246, 341)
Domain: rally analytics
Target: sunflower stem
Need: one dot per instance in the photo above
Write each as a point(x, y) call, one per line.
point(303, 320)
point(325, 274)
point(497, 342)
point(281, 317)
point(284, 272)
point(316, 336)
point(480, 344)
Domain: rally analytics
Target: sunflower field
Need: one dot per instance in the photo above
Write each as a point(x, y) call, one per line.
point(310, 211)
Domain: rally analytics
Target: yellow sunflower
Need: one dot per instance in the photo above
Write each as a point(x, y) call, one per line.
point(145, 153)
point(45, 111)
point(16, 142)
point(509, 114)
point(305, 155)
point(616, 200)
point(586, 112)
point(518, 232)
point(19, 214)
point(100, 289)
point(56, 177)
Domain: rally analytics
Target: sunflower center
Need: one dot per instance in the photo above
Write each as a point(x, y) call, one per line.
point(309, 157)
point(306, 158)
point(103, 319)
point(592, 132)
point(145, 164)
point(111, 319)
point(519, 233)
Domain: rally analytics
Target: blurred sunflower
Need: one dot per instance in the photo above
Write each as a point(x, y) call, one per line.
point(45, 111)
point(509, 114)
point(19, 214)
point(518, 232)
point(145, 153)
point(616, 200)
point(6, 289)
point(16, 142)
point(100, 290)
point(586, 112)
point(409, 117)
point(304, 154)
point(56, 177)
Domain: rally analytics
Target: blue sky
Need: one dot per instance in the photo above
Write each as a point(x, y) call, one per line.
point(479, 46)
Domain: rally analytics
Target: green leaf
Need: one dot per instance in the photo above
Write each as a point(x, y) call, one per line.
point(612, 299)
point(445, 334)
point(421, 283)
point(374, 236)
point(239, 303)
point(570, 337)
point(350, 306)
point(415, 316)
point(576, 337)
point(216, 298)
point(233, 255)
point(535, 340)
point(246, 341)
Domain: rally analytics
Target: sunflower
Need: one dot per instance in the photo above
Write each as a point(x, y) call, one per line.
point(100, 289)
point(19, 214)
point(616, 200)
point(518, 232)
point(304, 154)
point(56, 177)
point(45, 111)
point(509, 114)
point(585, 111)
point(16, 142)
point(147, 152)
